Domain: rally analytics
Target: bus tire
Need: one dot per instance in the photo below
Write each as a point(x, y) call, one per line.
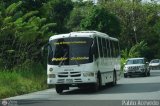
point(148, 74)
point(114, 79)
point(97, 85)
point(59, 89)
point(145, 74)
point(125, 75)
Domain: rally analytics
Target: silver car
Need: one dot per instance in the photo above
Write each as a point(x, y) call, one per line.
point(136, 66)
point(154, 64)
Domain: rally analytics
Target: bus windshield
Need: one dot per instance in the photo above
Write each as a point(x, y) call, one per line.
point(70, 51)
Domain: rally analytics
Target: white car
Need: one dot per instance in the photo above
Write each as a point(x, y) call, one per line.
point(136, 66)
point(154, 64)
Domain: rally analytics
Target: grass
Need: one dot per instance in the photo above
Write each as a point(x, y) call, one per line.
point(21, 81)
point(26, 78)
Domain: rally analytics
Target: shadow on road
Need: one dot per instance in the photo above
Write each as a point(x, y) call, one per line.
point(131, 88)
point(124, 87)
point(119, 88)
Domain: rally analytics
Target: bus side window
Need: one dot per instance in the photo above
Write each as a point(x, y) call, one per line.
point(95, 50)
point(105, 48)
point(100, 47)
point(110, 48)
point(114, 49)
point(117, 49)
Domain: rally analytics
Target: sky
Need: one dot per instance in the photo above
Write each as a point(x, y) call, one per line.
point(95, 1)
point(150, 1)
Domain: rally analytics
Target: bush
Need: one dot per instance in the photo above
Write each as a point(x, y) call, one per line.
point(30, 77)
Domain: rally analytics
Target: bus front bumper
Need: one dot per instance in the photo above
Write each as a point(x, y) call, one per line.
point(71, 80)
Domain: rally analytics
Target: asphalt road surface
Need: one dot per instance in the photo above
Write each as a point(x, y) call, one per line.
point(134, 88)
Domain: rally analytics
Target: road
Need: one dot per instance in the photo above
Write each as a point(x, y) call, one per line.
point(134, 88)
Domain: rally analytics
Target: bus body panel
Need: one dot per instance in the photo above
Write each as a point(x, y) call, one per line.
point(106, 63)
point(74, 73)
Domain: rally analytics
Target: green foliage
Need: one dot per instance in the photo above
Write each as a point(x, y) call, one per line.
point(31, 5)
point(13, 8)
point(143, 17)
point(75, 19)
point(57, 11)
point(79, 12)
point(123, 61)
point(134, 51)
point(101, 20)
point(27, 77)
point(25, 27)
point(22, 34)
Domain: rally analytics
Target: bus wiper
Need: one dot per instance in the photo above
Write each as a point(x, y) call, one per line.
point(62, 59)
point(75, 60)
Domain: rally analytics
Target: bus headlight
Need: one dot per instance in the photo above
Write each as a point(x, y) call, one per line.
point(50, 69)
point(88, 74)
point(51, 75)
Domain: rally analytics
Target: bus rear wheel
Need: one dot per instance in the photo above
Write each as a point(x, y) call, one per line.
point(125, 75)
point(145, 74)
point(148, 74)
point(97, 85)
point(114, 79)
point(59, 89)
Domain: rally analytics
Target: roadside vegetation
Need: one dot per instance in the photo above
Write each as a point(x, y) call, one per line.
point(25, 27)
point(29, 77)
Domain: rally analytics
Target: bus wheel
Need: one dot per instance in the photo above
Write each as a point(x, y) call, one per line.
point(114, 79)
point(125, 75)
point(97, 85)
point(59, 89)
point(145, 74)
point(148, 73)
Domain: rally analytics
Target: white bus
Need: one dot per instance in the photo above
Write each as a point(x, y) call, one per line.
point(83, 59)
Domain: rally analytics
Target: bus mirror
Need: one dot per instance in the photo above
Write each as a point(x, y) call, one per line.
point(94, 57)
point(91, 50)
point(43, 49)
point(94, 52)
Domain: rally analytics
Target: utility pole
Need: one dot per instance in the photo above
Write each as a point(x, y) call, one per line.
point(133, 21)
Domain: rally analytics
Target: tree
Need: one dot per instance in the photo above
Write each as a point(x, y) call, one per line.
point(21, 35)
point(143, 17)
point(57, 11)
point(78, 13)
point(134, 51)
point(98, 18)
point(27, 5)
point(30, 5)
point(138, 50)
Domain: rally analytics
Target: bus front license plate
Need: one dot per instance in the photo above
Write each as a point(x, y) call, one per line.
point(69, 80)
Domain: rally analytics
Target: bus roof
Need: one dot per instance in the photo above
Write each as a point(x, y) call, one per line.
point(90, 34)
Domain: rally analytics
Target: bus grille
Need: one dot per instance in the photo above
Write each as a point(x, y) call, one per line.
point(61, 81)
point(69, 74)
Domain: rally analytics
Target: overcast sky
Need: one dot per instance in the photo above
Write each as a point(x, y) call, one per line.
point(150, 0)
